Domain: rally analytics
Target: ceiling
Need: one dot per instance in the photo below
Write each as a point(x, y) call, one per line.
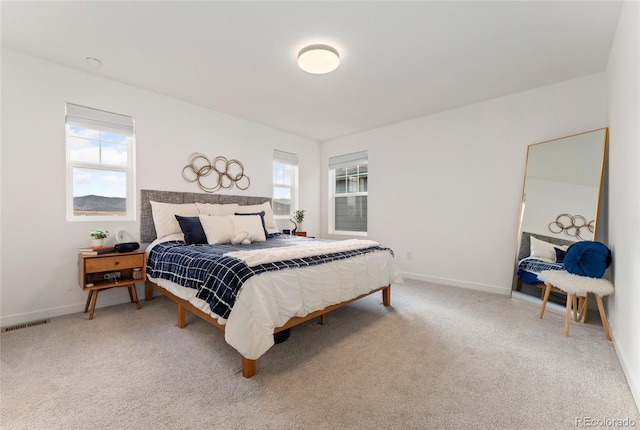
point(400, 60)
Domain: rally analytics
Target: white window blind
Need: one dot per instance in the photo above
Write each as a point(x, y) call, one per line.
point(348, 160)
point(100, 120)
point(285, 157)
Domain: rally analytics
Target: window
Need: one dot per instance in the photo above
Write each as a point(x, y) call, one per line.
point(100, 165)
point(349, 189)
point(285, 183)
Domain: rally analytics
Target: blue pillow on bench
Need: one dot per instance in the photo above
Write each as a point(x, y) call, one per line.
point(587, 258)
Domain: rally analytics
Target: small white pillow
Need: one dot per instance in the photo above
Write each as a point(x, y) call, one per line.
point(269, 220)
point(217, 209)
point(218, 229)
point(164, 216)
point(541, 249)
point(251, 224)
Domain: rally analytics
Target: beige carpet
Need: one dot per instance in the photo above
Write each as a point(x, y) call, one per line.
point(439, 358)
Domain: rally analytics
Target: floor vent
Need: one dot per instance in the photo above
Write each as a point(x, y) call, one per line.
point(25, 325)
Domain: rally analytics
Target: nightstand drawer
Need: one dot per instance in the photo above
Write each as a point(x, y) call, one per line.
point(116, 262)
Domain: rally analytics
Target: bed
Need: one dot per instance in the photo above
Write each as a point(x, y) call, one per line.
point(255, 291)
point(537, 253)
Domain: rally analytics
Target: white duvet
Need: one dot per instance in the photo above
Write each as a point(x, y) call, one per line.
point(270, 299)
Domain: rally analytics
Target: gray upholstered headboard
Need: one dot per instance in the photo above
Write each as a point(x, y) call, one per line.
point(525, 243)
point(148, 229)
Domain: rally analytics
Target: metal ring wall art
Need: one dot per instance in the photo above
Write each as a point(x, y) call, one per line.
point(571, 225)
point(223, 173)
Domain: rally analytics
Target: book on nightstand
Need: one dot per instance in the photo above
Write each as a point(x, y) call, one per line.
point(96, 250)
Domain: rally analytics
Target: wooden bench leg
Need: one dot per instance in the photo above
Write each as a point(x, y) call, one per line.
point(248, 367)
point(570, 298)
point(603, 317)
point(583, 304)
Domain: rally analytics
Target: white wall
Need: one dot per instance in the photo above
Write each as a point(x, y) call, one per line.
point(447, 187)
point(39, 247)
point(623, 91)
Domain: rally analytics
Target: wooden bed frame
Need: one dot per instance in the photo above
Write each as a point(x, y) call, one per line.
point(249, 366)
point(148, 234)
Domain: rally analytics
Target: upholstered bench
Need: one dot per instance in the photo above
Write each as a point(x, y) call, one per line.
point(576, 286)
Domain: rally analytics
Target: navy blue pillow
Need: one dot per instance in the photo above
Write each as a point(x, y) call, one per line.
point(192, 229)
point(264, 227)
point(587, 258)
point(560, 253)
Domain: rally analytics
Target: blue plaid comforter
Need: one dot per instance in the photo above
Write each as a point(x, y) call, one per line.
point(219, 279)
point(530, 268)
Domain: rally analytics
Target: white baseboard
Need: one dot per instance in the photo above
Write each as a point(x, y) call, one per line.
point(456, 283)
point(103, 301)
point(628, 369)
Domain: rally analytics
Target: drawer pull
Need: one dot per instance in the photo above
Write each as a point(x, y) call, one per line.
point(116, 263)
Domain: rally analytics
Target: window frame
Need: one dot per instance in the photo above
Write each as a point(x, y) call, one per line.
point(288, 159)
point(71, 165)
point(346, 161)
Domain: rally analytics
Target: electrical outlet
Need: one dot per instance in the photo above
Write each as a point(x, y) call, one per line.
point(409, 255)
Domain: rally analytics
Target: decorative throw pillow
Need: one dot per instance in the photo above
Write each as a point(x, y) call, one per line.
point(218, 229)
point(261, 214)
point(269, 220)
point(217, 209)
point(560, 253)
point(251, 224)
point(164, 216)
point(587, 258)
point(192, 229)
point(541, 249)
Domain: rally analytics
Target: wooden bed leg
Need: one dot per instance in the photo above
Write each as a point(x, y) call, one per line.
point(148, 292)
point(181, 319)
point(386, 296)
point(248, 367)
point(322, 319)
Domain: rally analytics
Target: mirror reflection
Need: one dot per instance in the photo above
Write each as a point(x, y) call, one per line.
point(560, 201)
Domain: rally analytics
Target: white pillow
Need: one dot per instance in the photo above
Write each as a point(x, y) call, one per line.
point(218, 229)
point(251, 224)
point(541, 249)
point(164, 216)
point(217, 209)
point(269, 220)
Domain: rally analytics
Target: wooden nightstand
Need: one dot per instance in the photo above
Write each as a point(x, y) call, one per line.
point(93, 268)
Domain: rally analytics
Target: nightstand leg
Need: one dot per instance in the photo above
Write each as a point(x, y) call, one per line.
point(134, 294)
point(130, 294)
point(93, 303)
point(89, 296)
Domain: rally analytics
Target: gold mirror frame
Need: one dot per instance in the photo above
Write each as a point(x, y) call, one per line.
point(566, 162)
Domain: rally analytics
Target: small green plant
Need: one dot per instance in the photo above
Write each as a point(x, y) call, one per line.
point(99, 234)
point(298, 216)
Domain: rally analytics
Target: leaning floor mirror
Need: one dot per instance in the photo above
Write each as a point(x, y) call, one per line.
point(560, 202)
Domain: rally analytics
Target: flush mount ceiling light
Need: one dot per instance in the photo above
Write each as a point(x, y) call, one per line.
point(318, 59)
point(94, 63)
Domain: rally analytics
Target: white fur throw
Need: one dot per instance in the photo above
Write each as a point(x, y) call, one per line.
point(576, 284)
point(302, 249)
